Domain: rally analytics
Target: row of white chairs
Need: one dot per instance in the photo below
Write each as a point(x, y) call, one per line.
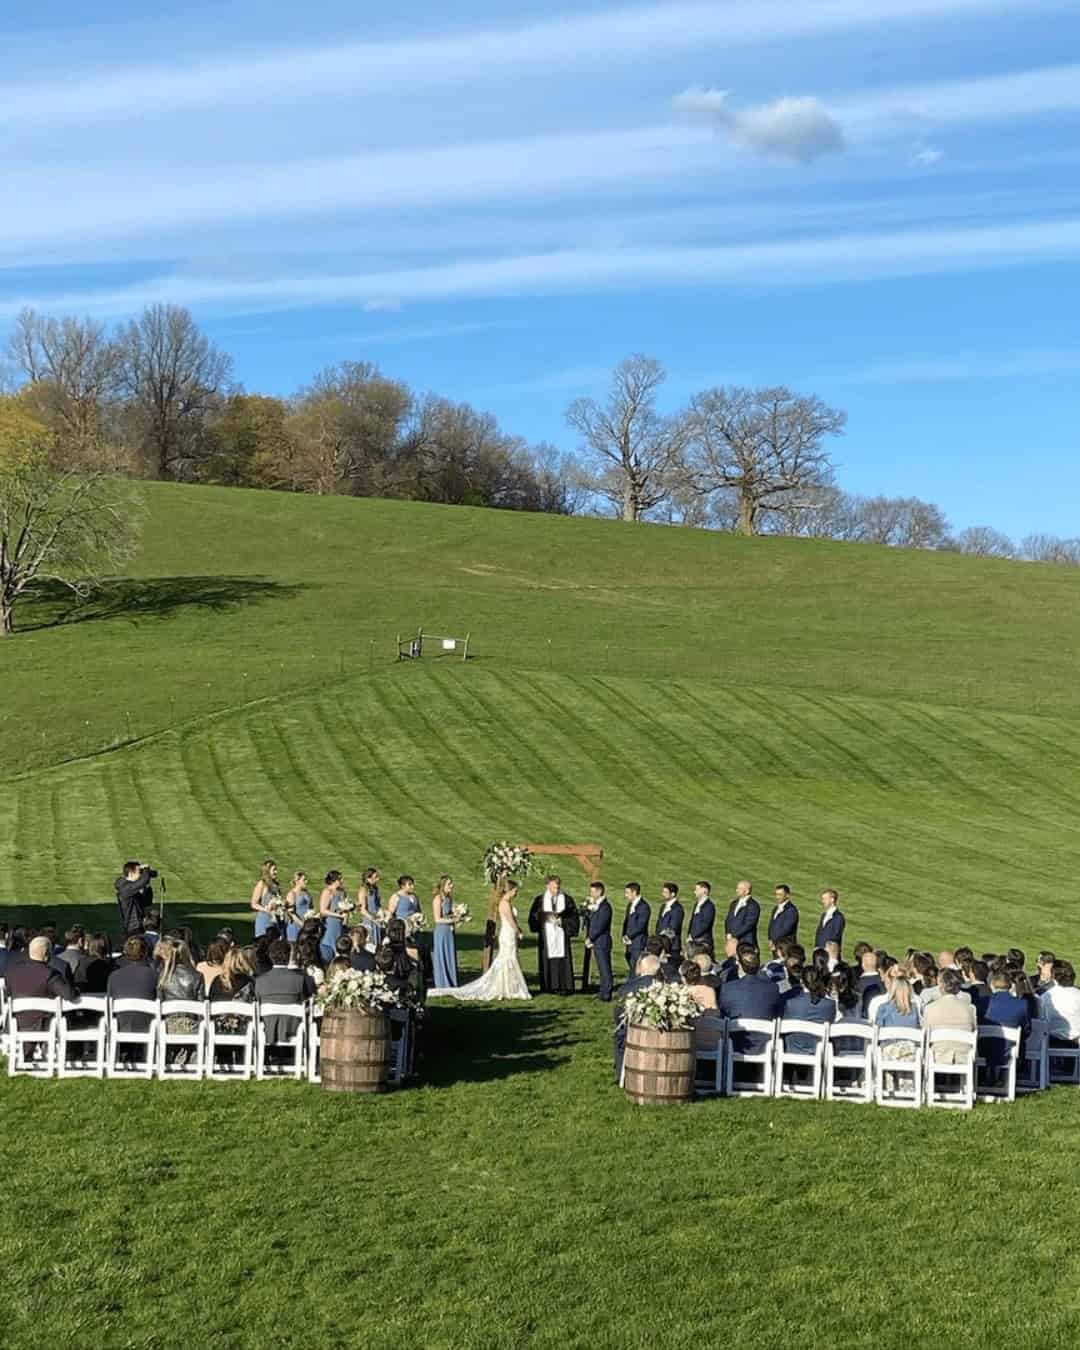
point(838, 1072)
point(83, 1038)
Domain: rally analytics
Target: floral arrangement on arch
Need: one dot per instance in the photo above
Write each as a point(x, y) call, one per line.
point(503, 859)
point(664, 1007)
point(362, 990)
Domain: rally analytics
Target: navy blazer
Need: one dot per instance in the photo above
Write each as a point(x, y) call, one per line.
point(701, 922)
point(636, 924)
point(598, 926)
point(743, 925)
point(671, 922)
point(750, 996)
point(830, 930)
point(797, 1005)
point(784, 924)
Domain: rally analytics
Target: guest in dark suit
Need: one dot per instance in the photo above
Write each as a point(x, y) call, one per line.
point(702, 917)
point(648, 970)
point(753, 994)
point(831, 924)
point(359, 957)
point(741, 922)
point(1003, 1009)
point(635, 929)
point(784, 920)
point(670, 917)
point(135, 976)
point(598, 937)
point(977, 988)
point(282, 984)
point(94, 968)
point(34, 978)
point(807, 1003)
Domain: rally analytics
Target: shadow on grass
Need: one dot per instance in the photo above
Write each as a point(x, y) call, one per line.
point(486, 1042)
point(50, 605)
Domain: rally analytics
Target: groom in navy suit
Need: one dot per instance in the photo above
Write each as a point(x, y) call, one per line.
point(635, 928)
point(598, 936)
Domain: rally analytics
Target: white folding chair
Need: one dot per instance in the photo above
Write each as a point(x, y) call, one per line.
point(133, 1054)
point(291, 1063)
point(1034, 1066)
point(32, 1052)
point(1003, 1086)
point(800, 1059)
point(710, 1034)
point(754, 1085)
point(858, 1063)
point(962, 1096)
point(238, 1063)
point(314, 1044)
point(82, 1049)
point(401, 1045)
point(189, 1060)
point(1064, 1063)
point(898, 1069)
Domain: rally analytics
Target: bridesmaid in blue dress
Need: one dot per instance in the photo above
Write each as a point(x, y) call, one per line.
point(404, 903)
point(333, 925)
point(267, 891)
point(298, 902)
point(445, 954)
point(368, 903)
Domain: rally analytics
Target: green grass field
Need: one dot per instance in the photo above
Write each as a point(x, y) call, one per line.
point(903, 726)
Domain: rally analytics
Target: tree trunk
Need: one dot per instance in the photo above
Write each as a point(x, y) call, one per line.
point(747, 515)
point(7, 618)
point(631, 509)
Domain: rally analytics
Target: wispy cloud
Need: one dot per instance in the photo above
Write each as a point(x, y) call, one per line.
point(926, 156)
point(377, 68)
point(961, 366)
point(794, 128)
point(797, 262)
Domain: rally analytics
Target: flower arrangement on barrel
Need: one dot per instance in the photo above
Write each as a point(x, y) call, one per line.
point(503, 859)
point(663, 1007)
point(658, 1066)
point(357, 991)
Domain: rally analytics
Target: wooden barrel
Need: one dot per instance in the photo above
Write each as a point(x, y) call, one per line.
point(354, 1051)
point(659, 1066)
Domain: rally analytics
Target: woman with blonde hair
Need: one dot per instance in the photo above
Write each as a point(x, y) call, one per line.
point(504, 978)
point(900, 1009)
point(442, 918)
point(264, 898)
point(178, 979)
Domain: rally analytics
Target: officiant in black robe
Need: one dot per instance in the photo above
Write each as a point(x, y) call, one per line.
point(554, 919)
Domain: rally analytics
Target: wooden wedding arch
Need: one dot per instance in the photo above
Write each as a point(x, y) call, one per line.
point(590, 856)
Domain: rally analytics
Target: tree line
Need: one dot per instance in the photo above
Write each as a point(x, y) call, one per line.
point(93, 408)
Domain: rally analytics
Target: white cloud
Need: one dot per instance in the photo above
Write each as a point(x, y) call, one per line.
point(963, 366)
point(383, 304)
point(798, 262)
point(926, 156)
point(794, 128)
point(569, 42)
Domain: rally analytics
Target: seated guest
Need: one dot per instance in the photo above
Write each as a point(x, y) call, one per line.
point(407, 969)
point(94, 968)
point(810, 1003)
point(778, 969)
point(1024, 989)
point(260, 954)
point(704, 994)
point(359, 956)
point(178, 979)
point(820, 961)
point(832, 955)
point(950, 1011)
point(135, 976)
point(1045, 972)
point(33, 978)
point(307, 954)
point(794, 968)
point(753, 995)
point(152, 929)
point(898, 1009)
point(282, 983)
point(1059, 1005)
point(5, 935)
point(925, 983)
point(669, 960)
point(976, 987)
point(72, 952)
point(1004, 1009)
point(214, 962)
point(338, 966)
point(887, 967)
point(236, 983)
point(646, 972)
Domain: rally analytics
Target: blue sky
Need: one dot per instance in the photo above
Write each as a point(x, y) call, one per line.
point(873, 200)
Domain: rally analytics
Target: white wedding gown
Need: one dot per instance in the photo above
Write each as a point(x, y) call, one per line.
point(503, 979)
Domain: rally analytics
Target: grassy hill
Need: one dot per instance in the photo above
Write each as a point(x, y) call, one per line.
point(904, 726)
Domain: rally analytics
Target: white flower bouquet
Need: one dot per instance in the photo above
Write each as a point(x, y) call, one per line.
point(346, 907)
point(278, 908)
point(310, 916)
point(503, 859)
point(460, 914)
point(415, 923)
point(381, 917)
point(364, 990)
point(664, 1007)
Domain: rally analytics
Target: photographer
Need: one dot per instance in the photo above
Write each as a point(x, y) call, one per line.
point(134, 895)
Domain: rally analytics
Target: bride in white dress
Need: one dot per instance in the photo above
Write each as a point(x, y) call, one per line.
point(504, 978)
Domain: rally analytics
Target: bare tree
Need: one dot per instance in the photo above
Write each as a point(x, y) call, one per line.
point(982, 541)
point(634, 451)
point(55, 525)
point(174, 378)
point(901, 522)
point(73, 367)
point(1048, 548)
point(350, 420)
point(766, 445)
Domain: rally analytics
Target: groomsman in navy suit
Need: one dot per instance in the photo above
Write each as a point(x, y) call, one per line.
point(831, 924)
point(598, 936)
point(635, 928)
point(702, 916)
point(743, 915)
point(671, 916)
point(784, 922)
